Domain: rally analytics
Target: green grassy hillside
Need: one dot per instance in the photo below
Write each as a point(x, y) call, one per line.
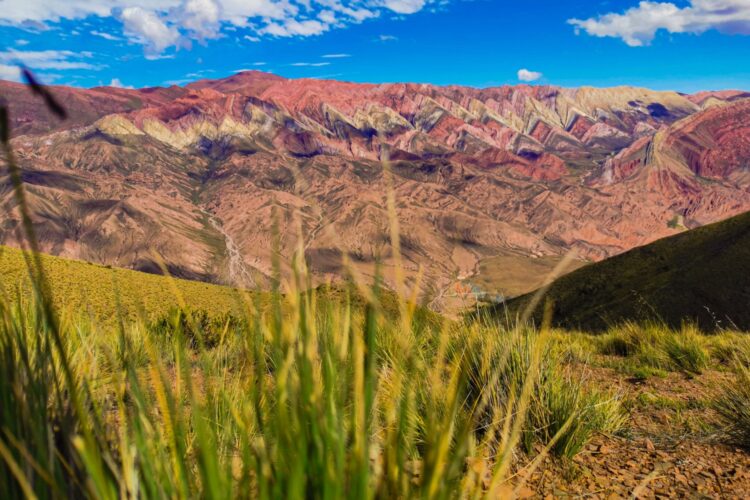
point(82, 288)
point(701, 275)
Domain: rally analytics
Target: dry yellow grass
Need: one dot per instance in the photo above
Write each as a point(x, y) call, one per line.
point(94, 290)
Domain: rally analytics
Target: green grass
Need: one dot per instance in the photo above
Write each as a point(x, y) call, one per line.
point(563, 409)
point(652, 348)
point(702, 276)
point(733, 404)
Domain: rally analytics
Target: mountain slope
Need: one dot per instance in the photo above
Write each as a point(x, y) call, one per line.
point(83, 288)
point(200, 174)
point(701, 275)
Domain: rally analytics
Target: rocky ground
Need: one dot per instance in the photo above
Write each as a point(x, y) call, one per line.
point(671, 446)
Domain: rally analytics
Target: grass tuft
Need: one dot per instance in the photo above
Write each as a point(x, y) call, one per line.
point(733, 405)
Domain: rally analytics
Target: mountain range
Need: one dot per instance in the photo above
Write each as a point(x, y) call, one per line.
point(201, 177)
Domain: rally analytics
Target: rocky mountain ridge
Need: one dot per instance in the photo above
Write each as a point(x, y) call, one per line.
point(196, 176)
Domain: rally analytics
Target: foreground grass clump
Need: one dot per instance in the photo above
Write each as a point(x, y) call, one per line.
point(563, 410)
point(303, 397)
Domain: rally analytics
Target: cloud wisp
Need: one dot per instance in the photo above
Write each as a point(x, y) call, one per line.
point(310, 64)
point(60, 60)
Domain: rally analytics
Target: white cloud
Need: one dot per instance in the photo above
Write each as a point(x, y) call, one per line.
point(328, 17)
point(162, 24)
point(117, 83)
point(22, 42)
point(200, 74)
point(256, 65)
point(149, 29)
point(47, 59)
point(336, 56)
point(529, 76)
point(106, 36)
point(200, 17)
point(292, 27)
point(359, 15)
point(158, 57)
point(638, 26)
point(386, 38)
point(405, 6)
point(9, 72)
point(312, 65)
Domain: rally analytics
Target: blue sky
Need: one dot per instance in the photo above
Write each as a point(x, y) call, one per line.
point(686, 45)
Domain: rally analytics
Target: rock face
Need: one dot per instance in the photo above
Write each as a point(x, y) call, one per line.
point(197, 177)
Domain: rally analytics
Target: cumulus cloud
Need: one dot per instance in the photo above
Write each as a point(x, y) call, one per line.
point(162, 24)
point(200, 18)
point(638, 25)
point(336, 56)
point(149, 29)
point(117, 83)
point(529, 76)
